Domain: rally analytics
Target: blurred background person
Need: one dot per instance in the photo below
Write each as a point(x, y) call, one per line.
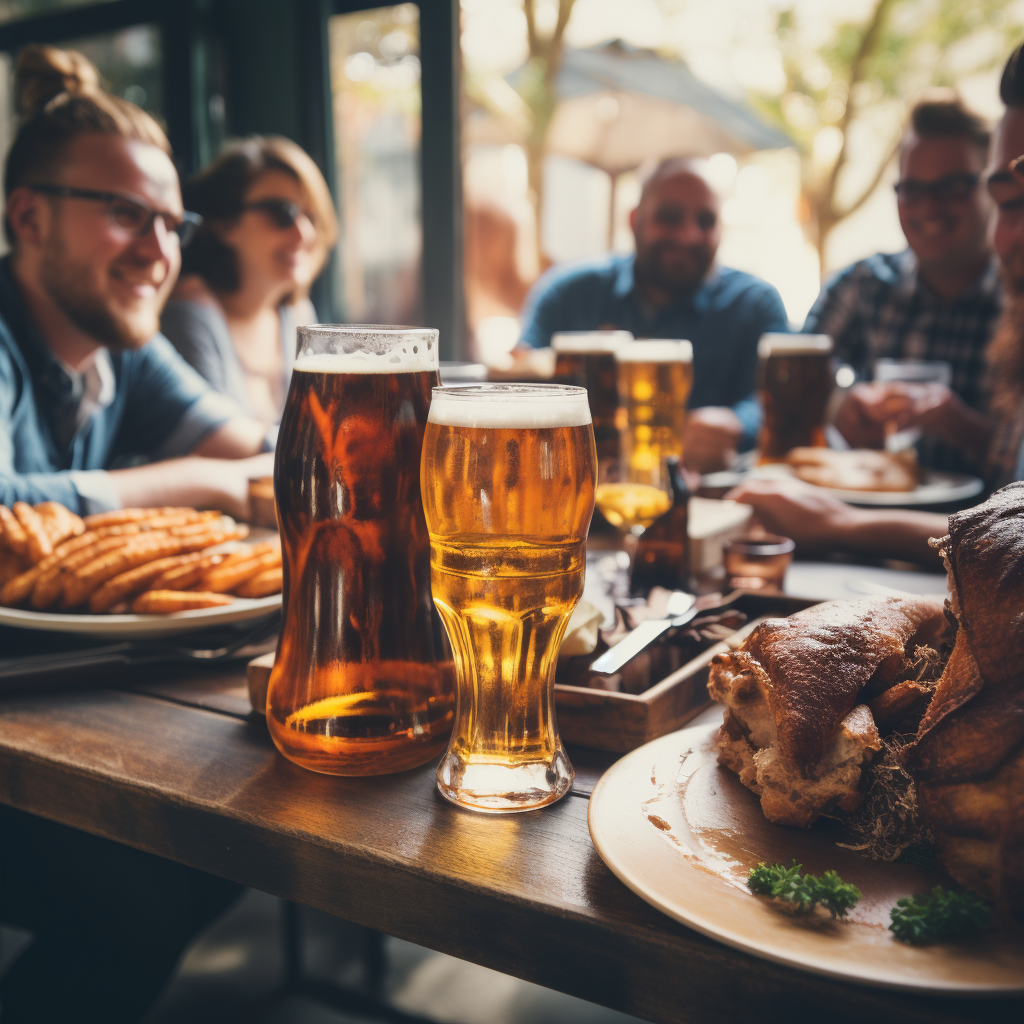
point(938, 300)
point(268, 226)
point(673, 288)
point(818, 522)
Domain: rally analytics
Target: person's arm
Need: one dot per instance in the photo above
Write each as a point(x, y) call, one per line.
point(172, 412)
point(191, 327)
point(221, 483)
point(836, 312)
point(819, 523)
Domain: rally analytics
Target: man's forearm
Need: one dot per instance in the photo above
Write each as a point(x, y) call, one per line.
point(195, 481)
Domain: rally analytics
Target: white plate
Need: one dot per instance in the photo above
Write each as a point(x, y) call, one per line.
point(140, 627)
point(682, 833)
point(935, 489)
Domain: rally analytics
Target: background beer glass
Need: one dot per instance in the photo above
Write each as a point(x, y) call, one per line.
point(508, 491)
point(358, 685)
point(587, 359)
point(655, 378)
point(795, 382)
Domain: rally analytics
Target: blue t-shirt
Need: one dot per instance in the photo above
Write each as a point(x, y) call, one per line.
point(160, 408)
point(723, 319)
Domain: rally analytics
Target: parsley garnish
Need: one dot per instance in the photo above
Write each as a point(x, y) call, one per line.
point(938, 917)
point(804, 892)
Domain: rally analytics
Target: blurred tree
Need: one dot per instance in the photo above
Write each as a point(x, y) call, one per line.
point(865, 76)
point(537, 88)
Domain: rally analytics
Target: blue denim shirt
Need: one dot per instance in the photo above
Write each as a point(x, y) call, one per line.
point(723, 320)
point(160, 408)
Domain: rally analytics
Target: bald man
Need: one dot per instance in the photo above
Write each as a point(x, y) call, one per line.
point(672, 288)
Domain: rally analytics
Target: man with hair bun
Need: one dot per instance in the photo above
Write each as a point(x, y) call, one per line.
point(672, 288)
point(88, 387)
point(95, 222)
point(939, 299)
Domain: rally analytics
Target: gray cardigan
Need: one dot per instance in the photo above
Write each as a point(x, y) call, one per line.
point(200, 334)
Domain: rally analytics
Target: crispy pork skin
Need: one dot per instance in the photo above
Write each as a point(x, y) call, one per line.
point(968, 757)
point(798, 731)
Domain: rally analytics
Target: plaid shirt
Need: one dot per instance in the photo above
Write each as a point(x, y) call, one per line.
point(878, 308)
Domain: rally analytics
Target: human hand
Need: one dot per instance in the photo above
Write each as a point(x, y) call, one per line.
point(815, 521)
point(712, 436)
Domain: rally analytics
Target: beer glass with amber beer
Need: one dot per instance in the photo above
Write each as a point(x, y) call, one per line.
point(359, 686)
point(587, 359)
point(795, 381)
point(508, 490)
point(655, 378)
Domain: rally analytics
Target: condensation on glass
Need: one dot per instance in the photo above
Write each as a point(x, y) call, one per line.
point(375, 87)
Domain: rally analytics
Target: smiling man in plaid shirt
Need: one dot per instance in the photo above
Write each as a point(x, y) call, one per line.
point(938, 300)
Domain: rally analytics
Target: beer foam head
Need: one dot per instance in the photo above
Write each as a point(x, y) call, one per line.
point(590, 341)
point(656, 351)
point(366, 348)
point(510, 406)
point(794, 345)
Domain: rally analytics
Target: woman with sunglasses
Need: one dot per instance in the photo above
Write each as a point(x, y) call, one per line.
point(268, 224)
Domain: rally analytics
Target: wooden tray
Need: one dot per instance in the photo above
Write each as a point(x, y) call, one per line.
point(606, 720)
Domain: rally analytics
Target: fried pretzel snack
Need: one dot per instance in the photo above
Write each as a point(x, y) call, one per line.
point(223, 579)
point(55, 571)
point(38, 542)
point(188, 573)
point(13, 532)
point(267, 582)
point(15, 591)
point(83, 581)
point(131, 582)
point(167, 602)
point(59, 522)
point(120, 516)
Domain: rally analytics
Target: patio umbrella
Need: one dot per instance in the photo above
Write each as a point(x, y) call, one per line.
point(619, 105)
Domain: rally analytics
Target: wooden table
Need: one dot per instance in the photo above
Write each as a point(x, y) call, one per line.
point(176, 765)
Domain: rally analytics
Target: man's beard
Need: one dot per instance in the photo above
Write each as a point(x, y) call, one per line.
point(70, 285)
point(678, 282)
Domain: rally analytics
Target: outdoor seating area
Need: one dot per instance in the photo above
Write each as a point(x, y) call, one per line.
point(511, 512)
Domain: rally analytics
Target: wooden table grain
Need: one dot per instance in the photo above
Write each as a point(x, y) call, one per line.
point(174, 765)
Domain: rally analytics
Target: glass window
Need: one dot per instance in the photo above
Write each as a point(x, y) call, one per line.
point(375, 87)
point(13, 10)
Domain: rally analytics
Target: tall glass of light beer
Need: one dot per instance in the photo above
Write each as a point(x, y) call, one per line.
point(359, 685)
point(508, 491)
point(655, 379)
point(587, 359)
point(795, 382)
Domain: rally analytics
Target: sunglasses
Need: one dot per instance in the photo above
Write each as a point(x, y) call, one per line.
point(953, 188)
point(282, 213)
point(132, 215)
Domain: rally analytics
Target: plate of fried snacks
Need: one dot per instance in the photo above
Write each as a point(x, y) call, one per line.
point(853, 803)
point(875, 478)
point(133, 572)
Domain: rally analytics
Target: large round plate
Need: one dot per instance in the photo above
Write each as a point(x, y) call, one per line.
point(935, 489)
point(682, 833)
point(122, 627)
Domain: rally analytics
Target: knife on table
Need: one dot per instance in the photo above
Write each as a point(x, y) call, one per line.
point(681, 608)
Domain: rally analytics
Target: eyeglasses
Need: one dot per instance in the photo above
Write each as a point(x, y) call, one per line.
point(283, 213)
point(953, 188)
point(134, 216)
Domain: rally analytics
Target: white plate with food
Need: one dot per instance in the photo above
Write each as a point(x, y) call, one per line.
point(141, 627)
point(682, 833)
point(876, 479)
point(133, 572)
